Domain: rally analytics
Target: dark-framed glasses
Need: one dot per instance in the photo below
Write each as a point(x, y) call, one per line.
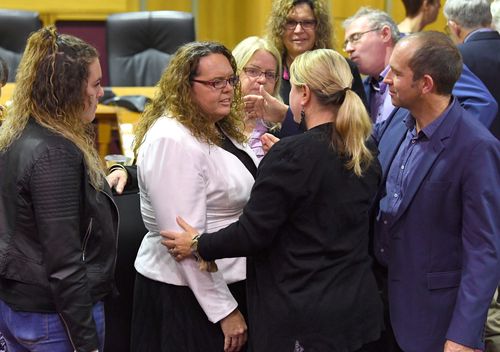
point(306, 24)
point(355, 37)
point(253, 72)
point(219, 83)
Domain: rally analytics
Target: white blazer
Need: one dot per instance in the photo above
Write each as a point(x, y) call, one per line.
point(206, 185)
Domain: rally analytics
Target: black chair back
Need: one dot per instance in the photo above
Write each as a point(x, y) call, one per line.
point(140, 44)
point(15, 28)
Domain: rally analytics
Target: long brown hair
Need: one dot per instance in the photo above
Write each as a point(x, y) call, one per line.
point(51, 82)
point(173, 96)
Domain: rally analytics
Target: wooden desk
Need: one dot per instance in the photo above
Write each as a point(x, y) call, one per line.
point(122, 119)
point(107, 118)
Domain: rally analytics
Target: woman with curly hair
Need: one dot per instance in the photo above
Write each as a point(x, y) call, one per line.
point(191, 160)
point(58, 222)
point(294, 27)
point(305, 227)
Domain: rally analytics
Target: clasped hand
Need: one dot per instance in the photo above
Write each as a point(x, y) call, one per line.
point(179, 243)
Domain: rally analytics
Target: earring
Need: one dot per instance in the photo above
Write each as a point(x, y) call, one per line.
point(302, 114)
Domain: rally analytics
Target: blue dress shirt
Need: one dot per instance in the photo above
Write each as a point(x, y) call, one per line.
point(410, 154)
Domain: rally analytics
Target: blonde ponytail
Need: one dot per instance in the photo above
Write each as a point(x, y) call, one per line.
point(329, 77)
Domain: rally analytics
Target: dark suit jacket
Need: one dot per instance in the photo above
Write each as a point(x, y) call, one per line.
point(443, 261)
point(481, 53)
point(305, 230)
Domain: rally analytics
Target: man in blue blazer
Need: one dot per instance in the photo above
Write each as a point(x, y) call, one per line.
point(469, 22)
point(437, 230)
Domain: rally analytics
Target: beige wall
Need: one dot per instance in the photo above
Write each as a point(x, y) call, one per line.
point(242, 18)
point(226, 21)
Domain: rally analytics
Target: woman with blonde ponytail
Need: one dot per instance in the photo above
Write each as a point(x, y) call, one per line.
point(58, 222)
point(305, 228)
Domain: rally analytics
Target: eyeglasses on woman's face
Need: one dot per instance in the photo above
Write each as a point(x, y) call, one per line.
point(306, 24)
point(253, 72)
point(219, 83)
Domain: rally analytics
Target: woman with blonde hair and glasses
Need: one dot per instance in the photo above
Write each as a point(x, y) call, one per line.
point(58, 222)
point(259, 68)
point(305, 227)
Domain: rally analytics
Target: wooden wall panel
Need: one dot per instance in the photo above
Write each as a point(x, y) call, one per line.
point(229, 21)
point(225, 21)
point(346, 8)
point(171, 5)
point(57, 10)
point(341, 9)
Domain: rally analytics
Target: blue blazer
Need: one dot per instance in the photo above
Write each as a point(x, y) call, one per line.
point(472, 94)
point(444, 250)
point(481, 53)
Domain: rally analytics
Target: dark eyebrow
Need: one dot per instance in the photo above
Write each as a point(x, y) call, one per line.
point(220, 78)
point(395, 70)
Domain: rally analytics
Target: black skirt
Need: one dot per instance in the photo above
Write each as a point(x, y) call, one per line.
point(168, 318)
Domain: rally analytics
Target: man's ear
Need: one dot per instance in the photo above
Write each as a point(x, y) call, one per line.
point(386, 33)
point(455, 28)
point(427, 83)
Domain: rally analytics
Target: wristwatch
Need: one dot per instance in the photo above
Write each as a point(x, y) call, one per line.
point(204, 265)
point(194, 247)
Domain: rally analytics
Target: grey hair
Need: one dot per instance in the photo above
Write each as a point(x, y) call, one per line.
point(495, 12)
point(377, 19)
point(468, 13)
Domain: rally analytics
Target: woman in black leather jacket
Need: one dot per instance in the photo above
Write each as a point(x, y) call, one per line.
point(58, 222)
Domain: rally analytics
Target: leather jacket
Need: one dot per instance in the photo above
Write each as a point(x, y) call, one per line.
point(58, 234)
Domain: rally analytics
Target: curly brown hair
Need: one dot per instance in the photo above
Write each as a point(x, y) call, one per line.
point(51, 82)
point(173, 96)
point(278, 17)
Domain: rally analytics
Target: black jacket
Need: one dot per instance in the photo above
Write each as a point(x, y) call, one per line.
point(481, 53)
point(58, 234)
point(305, 232)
